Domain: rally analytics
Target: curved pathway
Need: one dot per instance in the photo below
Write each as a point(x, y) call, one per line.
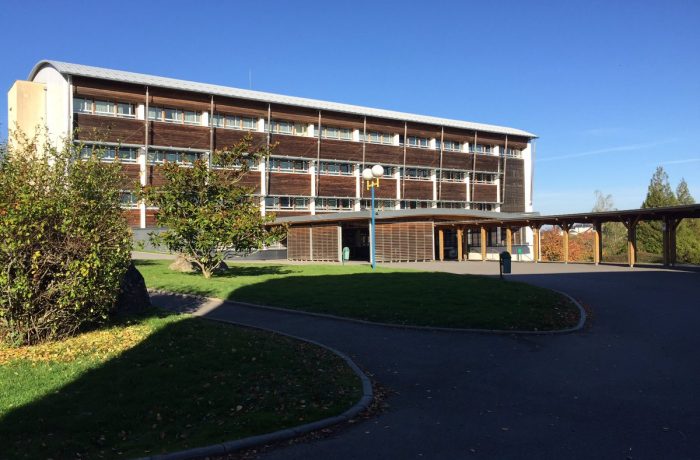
point(625, 387)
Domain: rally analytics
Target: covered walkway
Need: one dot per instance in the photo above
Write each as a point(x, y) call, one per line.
point(670, 217)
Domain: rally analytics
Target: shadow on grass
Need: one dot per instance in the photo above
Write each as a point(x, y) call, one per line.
point(190, 383)
point(418, 298)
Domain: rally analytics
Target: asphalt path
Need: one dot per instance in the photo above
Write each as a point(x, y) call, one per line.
point(627, 386)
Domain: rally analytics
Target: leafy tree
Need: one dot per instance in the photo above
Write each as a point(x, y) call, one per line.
point(206, 212)
point(551, 245)
point(614, 234)
point(659, 194)
point(683, 195)
point(64, 242)
point(688, 232)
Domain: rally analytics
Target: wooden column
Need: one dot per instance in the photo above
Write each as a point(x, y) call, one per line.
point(666, 248)
point(597, 246)
point(460, 234)
point(536, 243)
point(441, 239)
point(631, 225)
point(483, 243)
point(565, 228)
point(672, 240)
point(509, 240)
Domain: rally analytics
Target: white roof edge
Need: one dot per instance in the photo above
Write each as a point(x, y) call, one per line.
point(217, 90)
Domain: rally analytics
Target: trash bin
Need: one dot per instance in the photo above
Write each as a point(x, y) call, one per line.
point(504, 261)
point(346, 254)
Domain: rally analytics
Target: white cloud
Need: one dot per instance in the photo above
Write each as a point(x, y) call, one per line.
point(621, 148)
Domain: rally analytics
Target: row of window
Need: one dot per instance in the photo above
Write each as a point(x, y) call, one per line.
point(108, 108)
point(292, 203)
point(111, 153)
point(174, 115)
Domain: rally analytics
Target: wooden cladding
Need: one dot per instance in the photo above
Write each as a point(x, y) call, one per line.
point(108, 129)
point(453, 191)
point(319, 242)
point(486, 193)
point(231, 106)
point(178, 135)
point(341, 150)
point(290, 184)
point(422, 157)
point(291, 113)
point(487, 163)
point(386, 189)
point(298, 146)
point(179, 99)
point(342, 120)
point(404, 241)
point(108, 90)
point(457, 160)
point(340, 186)
point(418, 190)
point(132, 176)
point(299, 243)
point(133, 217)
point(226, 138)
point(383, 154)
point(384, 125)
point(514, 186)
point(154, 175)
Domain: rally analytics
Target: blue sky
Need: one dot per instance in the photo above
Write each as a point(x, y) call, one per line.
point(612, 88)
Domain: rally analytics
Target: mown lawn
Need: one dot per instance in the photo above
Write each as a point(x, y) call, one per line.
point(390, 295)
point(160, 384)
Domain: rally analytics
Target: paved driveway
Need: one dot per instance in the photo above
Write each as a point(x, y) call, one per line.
point(626, 387)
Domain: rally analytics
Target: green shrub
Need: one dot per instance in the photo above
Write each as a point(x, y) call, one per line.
point(64, 243)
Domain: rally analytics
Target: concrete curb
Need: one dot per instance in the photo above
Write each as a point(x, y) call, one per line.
point(281, 435)
point(579, 325)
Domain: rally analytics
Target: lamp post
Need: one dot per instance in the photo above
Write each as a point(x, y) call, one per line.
point(371, 177)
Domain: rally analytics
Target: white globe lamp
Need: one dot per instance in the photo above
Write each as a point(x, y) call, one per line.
point(367, 174)
point(377, 171)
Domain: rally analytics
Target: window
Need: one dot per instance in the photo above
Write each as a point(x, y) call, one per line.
point(82, 105)
point(289, 127)
point(172, 115)
point(192, 118)
point(374, 137)
point(484, 178)
point(110, 153)
point(128, 199)
point(125, 110)
point(334, 204)
point(288, 165)
point(482, 206)
point(452, 146)
point(450, 204)
point(515, 153)
point(417, 173)
point(416, 204)
point(481, 148)
point(101, 107)
point(452, 176)
point(419, 142)
point(235, 122)
point(379, 205)
point(286, 202)
point(336, 169)
point(173, 156)
point(344, 134)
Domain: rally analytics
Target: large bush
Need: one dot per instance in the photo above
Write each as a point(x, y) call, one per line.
point(64, 243)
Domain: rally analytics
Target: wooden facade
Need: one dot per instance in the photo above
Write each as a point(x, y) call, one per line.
point(507, 191)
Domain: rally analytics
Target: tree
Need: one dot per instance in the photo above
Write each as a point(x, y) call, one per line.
point(659, 194)
point(683, 195)
point(64, 242)
point(551, 241)
point(205, 211)
point(614, 237)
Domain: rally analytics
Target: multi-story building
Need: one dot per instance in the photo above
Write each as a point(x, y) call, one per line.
point(452, 167)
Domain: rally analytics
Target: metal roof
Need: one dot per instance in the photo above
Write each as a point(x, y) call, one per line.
point(401, 214)
point(172, 83)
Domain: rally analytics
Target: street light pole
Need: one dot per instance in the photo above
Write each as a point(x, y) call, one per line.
point(371, 177)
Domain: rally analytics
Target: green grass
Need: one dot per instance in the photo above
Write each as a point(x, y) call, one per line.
point(390, 295)
point(185, 382)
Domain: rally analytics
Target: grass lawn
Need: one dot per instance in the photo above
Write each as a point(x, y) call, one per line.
point(160, 384)
point(390, 295)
